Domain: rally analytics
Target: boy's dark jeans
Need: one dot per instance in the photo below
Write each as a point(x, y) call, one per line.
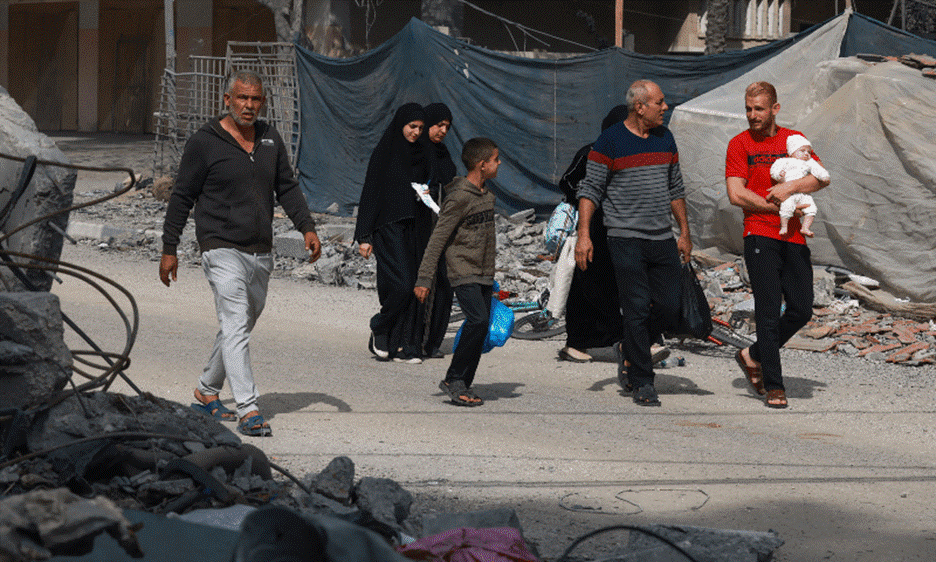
point(647, 274)
point(475, 302)
point(779, 271)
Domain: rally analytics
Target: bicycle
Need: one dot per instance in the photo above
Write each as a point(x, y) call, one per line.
point(535, 326)
point(724, 334)
point(540, 324)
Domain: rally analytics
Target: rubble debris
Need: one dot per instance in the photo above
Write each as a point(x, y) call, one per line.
point(887, 303)
point(702, 543)
point(35, 361)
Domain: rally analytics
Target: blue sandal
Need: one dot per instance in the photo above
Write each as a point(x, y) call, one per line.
point(254, 426)
point(215, 409)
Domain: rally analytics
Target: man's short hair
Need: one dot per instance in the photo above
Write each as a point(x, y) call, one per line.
point(758, 88)
point(477, 150)
point(244, 77)
point(637, 92)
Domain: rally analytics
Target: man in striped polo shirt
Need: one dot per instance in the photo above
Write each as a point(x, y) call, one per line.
point(633, 175)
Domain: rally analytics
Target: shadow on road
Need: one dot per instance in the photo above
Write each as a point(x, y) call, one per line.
point(273, 403)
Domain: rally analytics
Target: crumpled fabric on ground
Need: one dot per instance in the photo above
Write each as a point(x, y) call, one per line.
point(42, 523)
point(501, 544)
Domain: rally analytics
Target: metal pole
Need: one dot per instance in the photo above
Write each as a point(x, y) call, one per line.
point(169, 12)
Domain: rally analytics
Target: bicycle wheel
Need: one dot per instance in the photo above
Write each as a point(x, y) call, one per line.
point(724, 335)
point(538, 326)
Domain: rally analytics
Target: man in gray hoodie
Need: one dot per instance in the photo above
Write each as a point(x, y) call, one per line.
point(231, 171)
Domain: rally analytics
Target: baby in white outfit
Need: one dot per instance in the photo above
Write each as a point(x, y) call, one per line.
point(798, 165)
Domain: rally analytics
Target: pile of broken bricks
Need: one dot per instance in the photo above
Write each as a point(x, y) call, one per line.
point(848, 316)
point(925, 63)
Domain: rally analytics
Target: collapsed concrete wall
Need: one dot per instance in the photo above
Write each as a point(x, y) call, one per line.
point(49, 190)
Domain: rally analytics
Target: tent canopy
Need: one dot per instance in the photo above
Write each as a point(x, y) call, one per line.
point(870, 124)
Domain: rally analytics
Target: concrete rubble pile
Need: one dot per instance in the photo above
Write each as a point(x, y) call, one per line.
point(148, 454)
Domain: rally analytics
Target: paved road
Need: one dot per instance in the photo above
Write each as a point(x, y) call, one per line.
point(848, 472)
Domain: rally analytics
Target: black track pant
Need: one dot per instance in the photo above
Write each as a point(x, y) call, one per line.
point(779, 271)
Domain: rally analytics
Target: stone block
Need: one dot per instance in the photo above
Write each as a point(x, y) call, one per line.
point(32, 320)
point(50, 190)
point(291, 245)
point(336, 481)
point(384, 499)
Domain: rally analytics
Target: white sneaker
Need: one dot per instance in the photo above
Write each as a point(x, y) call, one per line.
point(571, 354)
point(408, 360)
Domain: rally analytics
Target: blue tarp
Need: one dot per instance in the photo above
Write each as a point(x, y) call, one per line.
point(540, 112)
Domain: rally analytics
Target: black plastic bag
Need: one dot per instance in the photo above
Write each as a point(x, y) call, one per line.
point(695, 316)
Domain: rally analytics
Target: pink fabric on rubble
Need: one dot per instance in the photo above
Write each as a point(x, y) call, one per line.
point(501, 544)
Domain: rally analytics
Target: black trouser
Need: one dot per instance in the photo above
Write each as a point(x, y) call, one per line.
point(475, 302)
point(441, 309)
point(647, 275)
point(593, 311)
point(779, 271)
point(401, 315)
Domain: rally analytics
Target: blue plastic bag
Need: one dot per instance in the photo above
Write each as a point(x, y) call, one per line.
point(500, 326)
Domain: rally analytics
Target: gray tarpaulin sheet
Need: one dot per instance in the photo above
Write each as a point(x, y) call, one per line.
point(876, 218)
point(540, 112)
point(872, 125)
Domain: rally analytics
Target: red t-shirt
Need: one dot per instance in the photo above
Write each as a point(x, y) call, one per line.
point(750, 158)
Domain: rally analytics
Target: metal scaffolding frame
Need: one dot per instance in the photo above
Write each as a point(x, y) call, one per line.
point(189, 99)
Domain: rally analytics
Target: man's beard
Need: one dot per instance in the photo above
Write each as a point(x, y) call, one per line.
point(241, 121)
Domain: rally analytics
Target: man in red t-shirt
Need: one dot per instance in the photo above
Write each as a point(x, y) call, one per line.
point(778, 265)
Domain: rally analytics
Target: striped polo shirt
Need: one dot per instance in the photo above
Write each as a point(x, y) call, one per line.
point(634, 180)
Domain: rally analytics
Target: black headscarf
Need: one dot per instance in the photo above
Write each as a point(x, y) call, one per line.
point(617, 114)
point(387, 195)
point(441, 167)
point(576, 170)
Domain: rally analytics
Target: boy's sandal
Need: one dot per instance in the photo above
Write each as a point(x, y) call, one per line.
point(460, 395)
point(753, 375)
point(255, 426)
point(776, 398)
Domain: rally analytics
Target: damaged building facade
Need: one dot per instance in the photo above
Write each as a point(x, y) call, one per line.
point(96, 65)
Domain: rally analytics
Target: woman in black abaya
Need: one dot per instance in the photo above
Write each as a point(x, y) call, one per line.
point(441, 171)
point(593, 315)
point(390, 223)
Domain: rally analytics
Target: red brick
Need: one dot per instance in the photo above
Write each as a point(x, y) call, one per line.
point(857, 342)
point(879, 347)
point(904, 335)
point(817, 332)
point(907, 352)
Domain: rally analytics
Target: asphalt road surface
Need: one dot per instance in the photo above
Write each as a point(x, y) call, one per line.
point(848, 472)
